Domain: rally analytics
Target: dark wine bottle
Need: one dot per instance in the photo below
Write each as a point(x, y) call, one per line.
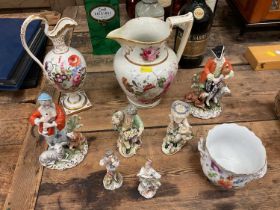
point(130, 8)
point(195, 48)
point(177, 5)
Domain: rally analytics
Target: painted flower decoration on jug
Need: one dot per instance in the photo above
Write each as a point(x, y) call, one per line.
point(67, 72)
point(74, 60)
point(150, 53)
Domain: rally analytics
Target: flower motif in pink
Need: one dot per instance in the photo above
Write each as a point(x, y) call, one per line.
point(150, 53)
point(168, 82)
point(76, 80)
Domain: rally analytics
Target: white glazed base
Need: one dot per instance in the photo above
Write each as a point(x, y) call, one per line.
point(168, 152)
point(143, 106)
point(146, 194)
point(75, 102)
point(114, 185)
point(205, 114)
point(70, 162)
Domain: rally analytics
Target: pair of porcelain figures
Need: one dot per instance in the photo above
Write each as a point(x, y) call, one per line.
point(67, 147)
point(149, 179)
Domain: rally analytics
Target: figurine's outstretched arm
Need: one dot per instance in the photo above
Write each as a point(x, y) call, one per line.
point(35, 118)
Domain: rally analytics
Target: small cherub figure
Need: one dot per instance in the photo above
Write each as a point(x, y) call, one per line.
point(113, 179)
point(179, 130)
point(130, 127)
point(209, 86)
point(149, 180)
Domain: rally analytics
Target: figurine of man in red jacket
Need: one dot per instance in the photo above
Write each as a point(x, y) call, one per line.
point(49, 118)
point(215, 72)
point(209, 86)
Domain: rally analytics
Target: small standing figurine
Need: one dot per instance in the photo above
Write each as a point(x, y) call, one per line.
point(49, 118)
point(209, 86)
point(113, 179)
point(179, 130)
point(149, 180)
point(130, 127)
point(66, 147)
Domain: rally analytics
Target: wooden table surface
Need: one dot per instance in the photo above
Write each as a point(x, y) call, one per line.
point(26, 185)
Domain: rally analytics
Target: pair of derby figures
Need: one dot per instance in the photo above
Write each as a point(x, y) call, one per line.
point(130, 127)
point(149, 179)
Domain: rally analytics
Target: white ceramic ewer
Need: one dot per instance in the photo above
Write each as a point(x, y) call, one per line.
point(232, 156)
point(144, 65)
point(63, 66)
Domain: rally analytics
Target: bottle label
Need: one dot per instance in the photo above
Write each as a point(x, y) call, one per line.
point(211, 4)
point(196, 44)
point(198, 13)
point(102, 13)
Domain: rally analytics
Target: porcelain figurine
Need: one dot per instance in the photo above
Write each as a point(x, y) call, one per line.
point(130, 128)
point(63, 66)
point(59, 135)
point(232, 156)
point(149, 180)
point(209, 86)
point(113, 179)
point(179, 130)
point(145, 66)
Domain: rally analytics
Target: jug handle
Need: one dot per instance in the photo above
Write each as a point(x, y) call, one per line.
point(185, 22)
point(24, 26)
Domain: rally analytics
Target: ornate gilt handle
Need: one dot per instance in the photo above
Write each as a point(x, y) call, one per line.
point(185, 22)
point(24, 26)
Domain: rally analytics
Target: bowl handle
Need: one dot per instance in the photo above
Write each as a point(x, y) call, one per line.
point(201, 147)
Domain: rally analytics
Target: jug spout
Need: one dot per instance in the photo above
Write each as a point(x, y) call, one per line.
point(57, 35)
point(117, 36)
point(142, 31)
point(62, 26)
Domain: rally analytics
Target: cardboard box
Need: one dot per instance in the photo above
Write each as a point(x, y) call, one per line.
point(264, 57)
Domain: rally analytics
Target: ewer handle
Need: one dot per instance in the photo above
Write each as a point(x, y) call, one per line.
point(185, 22)
point(24, 26)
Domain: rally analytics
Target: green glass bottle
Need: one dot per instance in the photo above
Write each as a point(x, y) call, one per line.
point(103, 16)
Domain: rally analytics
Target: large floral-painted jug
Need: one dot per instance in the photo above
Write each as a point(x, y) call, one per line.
point(63, 66)
point(145, 66)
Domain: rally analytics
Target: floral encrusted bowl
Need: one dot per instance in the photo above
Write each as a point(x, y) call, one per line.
point(232, 156)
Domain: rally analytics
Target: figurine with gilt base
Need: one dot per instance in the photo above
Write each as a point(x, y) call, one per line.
point(66, 147)
point(149, 180)
point(113, 179)
point(209, 86)
point(179, 130)
point(130, 128)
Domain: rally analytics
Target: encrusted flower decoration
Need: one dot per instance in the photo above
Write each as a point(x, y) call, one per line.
point(150, 53)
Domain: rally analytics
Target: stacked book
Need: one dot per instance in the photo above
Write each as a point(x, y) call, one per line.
point(17, 69)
